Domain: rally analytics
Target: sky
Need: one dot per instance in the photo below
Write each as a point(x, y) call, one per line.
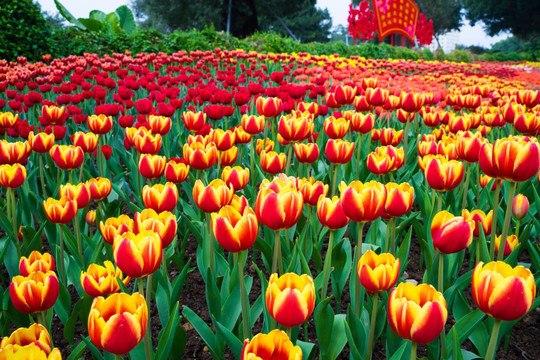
point(338, 9)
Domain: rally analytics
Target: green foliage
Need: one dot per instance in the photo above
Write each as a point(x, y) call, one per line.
point(459, 56)
point(446, 14)
point(24, 30)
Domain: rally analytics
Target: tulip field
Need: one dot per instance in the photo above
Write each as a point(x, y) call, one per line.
point(235, 205)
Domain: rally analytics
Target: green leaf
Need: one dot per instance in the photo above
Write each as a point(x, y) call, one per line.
point(112, 23)
point(62, 306)
point(81, 308)
point(464, 327)
point(202, 329)
point(77, 352)
point(67, 15)
point(401, 351)
point(92, 24)
point(356, 335)
point(97, 15)
point(93, 349)
point(167, 335)
point(127, 20)
point(232, 341)
point(307, 349)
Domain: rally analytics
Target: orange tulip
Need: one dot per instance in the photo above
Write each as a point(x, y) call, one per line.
point(60, 211)
point(117, 324)
point(53, 115)
point(278, 205)
point(306, 153)
point(389, 136)
point(160, 197)
point(116, 226)
point(213, 197)
point(274, 345)
point(41, 142)
point(33, 342)
point(36, 262)
point(511, 242)
point(312, 190)
point(152, 166)
point(399, 199)
point(501, 291)
point(99, 188)
point(100, 124)
point(331, 214)
point(7, 119)
point(264, 145)
point(480, 219)
point(336, 128)
point(137, 255)
point(164, 224)
point(269, 107)
point(252, 124)
point(417, 313)
point(12, 176)
point(79, 193)
point(296, 128)
point(378, 272)
point(228, 157)
point(236, 176)
point(176, 170)
point(520, 206)
point(147, 143)
point(86, 141)
point(363, 202)
point(376, 96)
point(272, 162)
point(199, 156)
point(516, 159)
point(451, 234)
point(443, 175)
point(102, 280)
point(235, 229)
point(339, 151)
point(290, 298)
point(33, 293)
point(194, 121)
point(67, 157)
point(159, 124)
point(362, 123)
point(224, 140)
point(344, 94)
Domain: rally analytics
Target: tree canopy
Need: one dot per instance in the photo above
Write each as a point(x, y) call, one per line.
point(446, 14)
point(296, 18)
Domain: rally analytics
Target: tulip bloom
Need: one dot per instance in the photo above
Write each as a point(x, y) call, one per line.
point(147, 143)
point(378, 272)
point(32, 340)
point(213, 197)
point(80, 193)
point(117, 324)
point(53, 115)
point(510, 244)
point(194, 121)
point(516, 159)
point(252, 124)
point(36, 262)
point(14, 152)
point(306, 153)
point(290, 298)
point(12, 176)
point(115, 226)
point(200, 156)
point(331, 214)
point(235, 229)
point(67, 157)
point(86, 141)
point(236, 176)
point(417, 313)
point(41, 142)
point(520, 206)
point(480, 220)
point(269, 107)
point(138, 255)
point(443, 175)
point(228, 158)
point(99, 188)
point(102, 280)
point(312, 190)
point(377, 96)
point(344, 94)
point(160, 197)
point(272, 162)
point(362, 123)
point(501, 291)
point(468, 147)
point(152, 166)
point(336, 128)
point(278, 206)
point(339, 151)
point(60, 211)
point(274, 345)
point(176, 170)
point(36, 292)
point(363, 202)
point(224, 140)
point(159, 124)
point(399, 199)
point(164, 224)
point(451, 234)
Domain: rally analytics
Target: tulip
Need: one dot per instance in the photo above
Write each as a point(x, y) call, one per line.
point(417, 313)
point(336, 128)
point(290, 298)
point(132, 132)
point(399, 199)
point(100, 124)
point(312, 190)
point(99, 187)
point(41, 142)
point(159, 124)
point(480, 220)
point(138, 255)
point(228, 158)
point(90, 217)
point(86, 141)
point(385, 159)
point(502, 292)
point(237, 177)
point(279, 208)
point(14, 152)
point(295, 129)
point(264, 145)
point(160, 197)
point(443, 175)
point(176, 170)
point(102, 280)
point(269, 107)
point(242, 137)
point(117, 324)
point(451, 234)
point(36, 262)
point(79, 193)
point(235, 229)
point(516, 159)
point(33, 340)
point(363, 202)
point(213, 197)
point(12, 176)
point(116, 226)
point(511, 242)
point(7, 119)
point(344, 94)
point(272, 162)
point(331, 214)
point(252, 124)
point(362, 123)
point(468, 147)
point(164, 224)
point(33, 293)
point(306, 153)
point(224, 140)
point(60, 211)
point(274, 345)
point(376, 96)
point(199, 156)
point(30, 351)
point(389, 136)
point(528, 124)
point(147, 143)
point(339, 151)
point(152, 166)
point(53, 115)
point(520, 206)
point(67, 157)
point(194, 121)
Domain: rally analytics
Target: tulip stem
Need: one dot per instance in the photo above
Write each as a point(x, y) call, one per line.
point(439, 203)
point(357, 254)
point(147, 349)
point(466, 187)
point(11, 195)
point(358, 156)
point(492, 347)
point(277, 262)
point(245, 313)
point(164, 263)
point(78, 234)
point(304, 245)
point(517, 229)
point(43, 319)
point(334, 177)
point(218, 165)
point(494, 221)
point(42, 177)
point(477, 184)
point(506, 224)
point(372, 325)
point(386, 243)
point(210, 243)
point(62, 267)
point(289, 156)
point(413, 351)
point(406, 138)
point(441, 273)
point(252, 171)
point(327, 265)
point(288, 331)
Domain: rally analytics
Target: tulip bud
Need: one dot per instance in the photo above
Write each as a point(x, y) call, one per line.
point(451, 234)
point(378, 272)
point(520, 206)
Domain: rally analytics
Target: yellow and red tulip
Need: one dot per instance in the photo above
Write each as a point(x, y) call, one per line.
point(296, 128)
point(147, 143)
point(451, 234)
point(224, 140)
point(520, 206)
point(164, 224)
point(272, 162)
point(336, 128)
point(159, 124)
point(331, 214)
point(60, 211)
point(516, 159)
point(274, 345)
point(213, 197)
point(443, 175)
point(363, 202)
point(176, 170)
point(33, 293)
point(80, 193)
point(137, 255)
point(194, 121)
point(339, 151)
point(99, 188)
point(278, 207)
point(378, 272)
point(200, 156)
point(116, 226)
point(102, 280)
point(252, 124)
point(152, 166)
point(481, 219)
point(41, 142)
point(269, 107)
point(511, 242)
point(235, 229)
point(87, 141)
point(160, 197)
point(67, 157)
point(36, 262)
point(362, 123)
point(399, 199)
point(12, 176)
point(236, 176)
point(100, 124)
point(312, 190)
point(33, 342)
point(306, 153)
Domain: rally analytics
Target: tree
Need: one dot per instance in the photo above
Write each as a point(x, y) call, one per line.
point(518, 16)
point(24, 30)
point(446, 14)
